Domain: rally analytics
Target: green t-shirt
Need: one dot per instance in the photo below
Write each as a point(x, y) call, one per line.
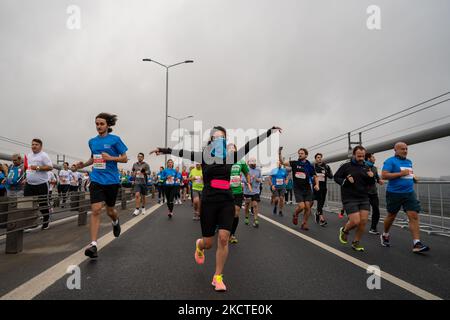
point(235, 176)
point(197, 174)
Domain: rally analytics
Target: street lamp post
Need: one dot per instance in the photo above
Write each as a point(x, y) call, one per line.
point(167, 67)
point(179, 125)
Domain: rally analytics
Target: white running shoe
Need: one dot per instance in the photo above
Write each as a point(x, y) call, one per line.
point(136, 212)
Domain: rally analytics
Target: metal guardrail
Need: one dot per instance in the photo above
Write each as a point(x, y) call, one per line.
point(433, 195)
point(20, 214)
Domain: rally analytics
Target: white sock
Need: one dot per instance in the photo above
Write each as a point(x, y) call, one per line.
point(415, 241)
point(94, 243)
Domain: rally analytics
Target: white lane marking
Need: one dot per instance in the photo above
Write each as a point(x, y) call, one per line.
point(36, 285)
point(388, 277)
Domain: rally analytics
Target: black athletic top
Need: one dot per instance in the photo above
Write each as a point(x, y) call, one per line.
point(359, 190)
point(215, 167)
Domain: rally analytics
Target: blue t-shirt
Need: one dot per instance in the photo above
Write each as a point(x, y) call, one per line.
point(178, 178)
point(400, 185)
point(255, 184)
point(169, 176)
point(2, 177)
point(279, 176)
point(106, 172)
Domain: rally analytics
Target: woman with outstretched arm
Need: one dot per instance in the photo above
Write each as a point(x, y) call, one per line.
point(217, 199)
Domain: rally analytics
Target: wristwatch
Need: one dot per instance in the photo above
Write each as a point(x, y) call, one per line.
point(38, 168)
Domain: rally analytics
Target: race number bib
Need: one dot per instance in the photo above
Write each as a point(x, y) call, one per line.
point(235, 181)
point(300, 175)
point(411, 173)
point(170, 181)
point(321, 177)
point(198, 179)
point(99, 162)
point(279, 182)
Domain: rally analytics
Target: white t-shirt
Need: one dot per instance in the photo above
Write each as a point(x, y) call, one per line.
point(37, 159)
point(74, 178)
point(51, 178)
point(64, 177)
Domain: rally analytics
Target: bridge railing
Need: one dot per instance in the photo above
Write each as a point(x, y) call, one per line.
point(434, 197)
point(20, 214)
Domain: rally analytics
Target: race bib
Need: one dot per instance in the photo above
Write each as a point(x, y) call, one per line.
point(198, 179)
point(300, 175)
point(279, 182)
point(170, 180)
point(99, 162)
point(411, 173)
point(235, 181)
point(321, 177)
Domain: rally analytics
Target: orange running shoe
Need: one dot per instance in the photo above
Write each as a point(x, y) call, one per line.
point(199, 254)
point(218, 284)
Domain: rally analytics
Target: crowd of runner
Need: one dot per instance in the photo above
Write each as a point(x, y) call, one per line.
point(220, 185)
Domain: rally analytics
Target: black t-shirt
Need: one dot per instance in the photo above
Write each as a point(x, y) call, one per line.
point(302, 174)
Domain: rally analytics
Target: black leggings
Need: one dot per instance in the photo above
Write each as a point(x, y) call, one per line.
point(161, 192)
point(40, 190)
point(288, 195)
point(170, 194)
point(375, 204)
point(320, 196)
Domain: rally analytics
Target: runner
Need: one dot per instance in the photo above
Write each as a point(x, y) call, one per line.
point(74, 178)
point(64, 183)
point(3, 178)
point(37, 166)
point(106, 151)
point(238, 170)
point(217, 198)
point(141, 171)
point(184, 184)
point(169, 176)
point(398, 170)
point(251, 195)
point(196, 177)
point(373, 193)
point(355, 177)
point(323, 172)
point(278, 187)
point(178, 178)
point(16, 177)
point(303, 174)
point(160, 186)
point(289, 186)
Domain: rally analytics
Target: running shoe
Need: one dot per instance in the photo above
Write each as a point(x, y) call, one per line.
point(274, 210)
point(357, 247)
point(374, 231)
point(91, 252)
point(341, 214)
point(343, 236)
point(420, 247)
point(116, 228)
point(218, 284)
point(385, 240)
point(323, 223)
point(136, 212)
point(304, 227)
point(280, 213)
point(246, 221)
point(256, 224)
point(170, 215)
point(199, 255)
point(233, 240)
point(317, 217)
point(295, 219)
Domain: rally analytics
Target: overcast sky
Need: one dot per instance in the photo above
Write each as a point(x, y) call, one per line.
point(311, 67)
